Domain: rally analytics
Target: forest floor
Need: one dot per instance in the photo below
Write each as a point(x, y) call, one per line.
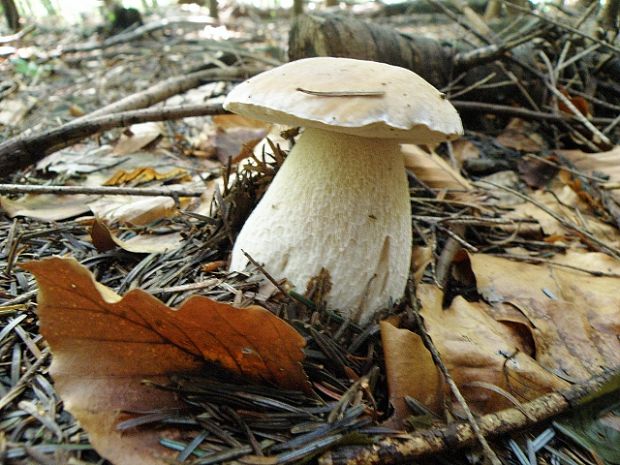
point(516, 259)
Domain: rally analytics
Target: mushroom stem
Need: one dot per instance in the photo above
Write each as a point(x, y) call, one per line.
point(339, 202)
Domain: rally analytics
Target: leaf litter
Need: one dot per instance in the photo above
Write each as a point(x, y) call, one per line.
point(506, 340)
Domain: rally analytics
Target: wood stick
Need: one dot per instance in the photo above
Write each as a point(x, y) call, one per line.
point(405, 449)
point(23, 151)
point(98, 190)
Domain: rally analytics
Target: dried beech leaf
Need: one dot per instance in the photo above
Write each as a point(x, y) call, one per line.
point(476, 348)
point(575, 317)
point(410, 372)
point(237, 135)
point(463, 150)
point(563, 202)
point(133, 209)
point(46, 207)
point(105, 239)
point(101, 236)
point(433, 170)
point(105, 345)
point(421, 257)
point(520, 135)
point(139, 135)
point(598, 164)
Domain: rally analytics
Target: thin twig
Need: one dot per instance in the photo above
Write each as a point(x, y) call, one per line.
point(98, 190)
point(527, 258)
point(17, 36)
point(577, 57)
point(563, 221)
point(430, 345)
point(563, 26)
point(22, 151)
point(578, 115)
point(565, 168)
point(261, 268)
point(405, 449)
point(520, 112)
point(612, 125)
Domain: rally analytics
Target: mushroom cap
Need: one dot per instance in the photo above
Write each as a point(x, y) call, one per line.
point(357, 97)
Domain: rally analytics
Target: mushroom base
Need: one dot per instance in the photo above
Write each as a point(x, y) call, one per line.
point(339, 202)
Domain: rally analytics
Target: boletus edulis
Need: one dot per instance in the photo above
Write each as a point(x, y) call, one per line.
point(341, 201)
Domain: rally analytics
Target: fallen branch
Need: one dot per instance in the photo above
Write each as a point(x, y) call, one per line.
point(402, 450)
point(489, 453)
point(98, 190)
point(564, 26)
point(198, 21)
point(17, 36)
point(172, 86)
point(498, 109)
point(23, 151)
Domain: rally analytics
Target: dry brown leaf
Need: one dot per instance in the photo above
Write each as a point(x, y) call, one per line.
point(519, 135)
point(105, 239)
point(46, 207)
point(464, 149)
point(578, 102)
point(410, 372)
point(135, 210)
point(537, 172)
point(151, 243)
point(105, 345)
point(563, 202)
point(101, 236)
point(236, 135)
point(477, 349)
point(139, 136)
point(574, 316)
point(421, 257)
point(433, 170)
point(603, 163)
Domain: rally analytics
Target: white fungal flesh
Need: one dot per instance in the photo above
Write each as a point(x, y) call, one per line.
point(339, 202)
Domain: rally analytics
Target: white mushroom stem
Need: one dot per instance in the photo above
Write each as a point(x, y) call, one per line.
point(339, 202)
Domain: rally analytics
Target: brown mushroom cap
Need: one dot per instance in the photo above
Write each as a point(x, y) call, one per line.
point(357, 97)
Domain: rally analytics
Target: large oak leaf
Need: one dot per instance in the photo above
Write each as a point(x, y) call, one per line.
point(410, 371)
point(484, 356)
point(574, 317)
point(104, 346)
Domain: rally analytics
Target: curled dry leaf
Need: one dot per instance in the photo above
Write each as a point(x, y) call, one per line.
point(477, 349)
point(464, 150)
point(421, 257)
point(605, 163)
point(520, 135)
point(105, 239)
point(133, 209)
point(410, 372)
point(46, 207)
point(574, 316)
point(564, 202)
point(433, 170)
point(105, 345)
point(236, 136)
point(138, 136)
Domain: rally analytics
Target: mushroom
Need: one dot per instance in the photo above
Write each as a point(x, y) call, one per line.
point(340, 201)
